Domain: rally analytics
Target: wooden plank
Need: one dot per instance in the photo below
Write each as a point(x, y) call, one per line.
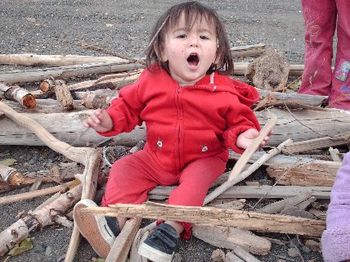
point(216, 217)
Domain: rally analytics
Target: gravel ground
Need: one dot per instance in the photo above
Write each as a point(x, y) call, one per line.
point(122, 27)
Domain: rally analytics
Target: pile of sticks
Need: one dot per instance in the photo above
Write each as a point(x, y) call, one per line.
point(50, 113)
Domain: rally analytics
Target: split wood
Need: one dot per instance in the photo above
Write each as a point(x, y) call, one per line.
point(37, 193)
point(216, 217)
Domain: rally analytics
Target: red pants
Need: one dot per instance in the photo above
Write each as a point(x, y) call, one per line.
point(321, 18)
point(133, 176)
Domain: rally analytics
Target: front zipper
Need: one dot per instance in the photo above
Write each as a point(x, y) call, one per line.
point(179, 145)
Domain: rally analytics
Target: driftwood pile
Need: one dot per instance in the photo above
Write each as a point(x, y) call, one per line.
point(300, 163)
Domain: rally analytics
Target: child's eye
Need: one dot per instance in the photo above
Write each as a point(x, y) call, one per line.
point(204, 37)
point(181, 36)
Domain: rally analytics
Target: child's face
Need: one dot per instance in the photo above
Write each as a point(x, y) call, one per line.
point(190, 53)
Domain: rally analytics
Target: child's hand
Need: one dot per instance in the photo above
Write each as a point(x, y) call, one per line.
point(99, 120)
point(246, 138)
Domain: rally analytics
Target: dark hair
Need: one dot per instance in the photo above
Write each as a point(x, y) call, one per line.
point(192, 12)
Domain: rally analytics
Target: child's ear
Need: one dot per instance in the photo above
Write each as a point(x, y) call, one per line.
point(160, 54)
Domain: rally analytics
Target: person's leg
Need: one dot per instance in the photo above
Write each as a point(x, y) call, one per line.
point(319, 23)
point(130, 179)
point(340, 94)
point(335, 239)
point(195, 180)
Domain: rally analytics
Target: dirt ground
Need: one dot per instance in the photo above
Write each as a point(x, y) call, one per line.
point(122, 27)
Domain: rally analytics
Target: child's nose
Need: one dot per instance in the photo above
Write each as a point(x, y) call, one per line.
point(193, 41)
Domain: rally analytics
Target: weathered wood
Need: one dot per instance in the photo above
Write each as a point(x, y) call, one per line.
point(248, 152)
point(38, 218)
point(229, 237)
point(298, 125)
point(291, 99)
point(37, 193)
point(243, 254)
point(299, 170)
point(216, 217)
point(89, 157)
point(56, 60)
point(63, 95)
point(315, 173)
point(46, 106)
point(66, 127)
point(229, 183)
point(121, 246)
point(301, 125)
point(240, 68)
point(317, 143)
point(35, 75)
point(21, 95)
point(278, 206)
point(162, 192)
point(247, 51)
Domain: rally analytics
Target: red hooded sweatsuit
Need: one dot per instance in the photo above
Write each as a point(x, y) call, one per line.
point(322, 17)
point(189, 131)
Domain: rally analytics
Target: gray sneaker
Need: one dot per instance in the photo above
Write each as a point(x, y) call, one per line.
point(95, 229)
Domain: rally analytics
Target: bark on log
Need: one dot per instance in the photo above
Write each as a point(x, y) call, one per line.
point(63, 72)
point(16, 93)
point(56, 60)
point(40, 217)
point(248, 50)
point(63, 95)
point(228, 237)
point(216, 217)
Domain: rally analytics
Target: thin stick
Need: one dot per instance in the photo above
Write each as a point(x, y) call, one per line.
point(247, 154)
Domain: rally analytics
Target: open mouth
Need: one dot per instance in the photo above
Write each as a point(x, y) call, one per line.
point(193, 59)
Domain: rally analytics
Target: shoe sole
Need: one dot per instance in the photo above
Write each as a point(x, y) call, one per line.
point(154, 254)
point(91, 227)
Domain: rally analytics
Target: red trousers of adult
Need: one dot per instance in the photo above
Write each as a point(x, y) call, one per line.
point(133, 176)
point(322, 19)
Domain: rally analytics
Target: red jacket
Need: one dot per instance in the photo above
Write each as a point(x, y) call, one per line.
point(185, 123)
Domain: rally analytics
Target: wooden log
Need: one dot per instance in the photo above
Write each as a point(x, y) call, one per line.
point(37, 193)
point(122, 244)
point(40, 217)
point(56, 60)
point(46, 106)
point(16, 93)
point(228, 237)
point(161, 192)
point(10, 176)
point(317, 143)
point(305, 124)
point(63, 95)
point(66, 127)
point(316, 173)
point(240, 68)
point(297, 125)
point(63, 72)
point(291, 99)
point(299, 170)
point(243, 254)
point(216, 217)
point(247, 51)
